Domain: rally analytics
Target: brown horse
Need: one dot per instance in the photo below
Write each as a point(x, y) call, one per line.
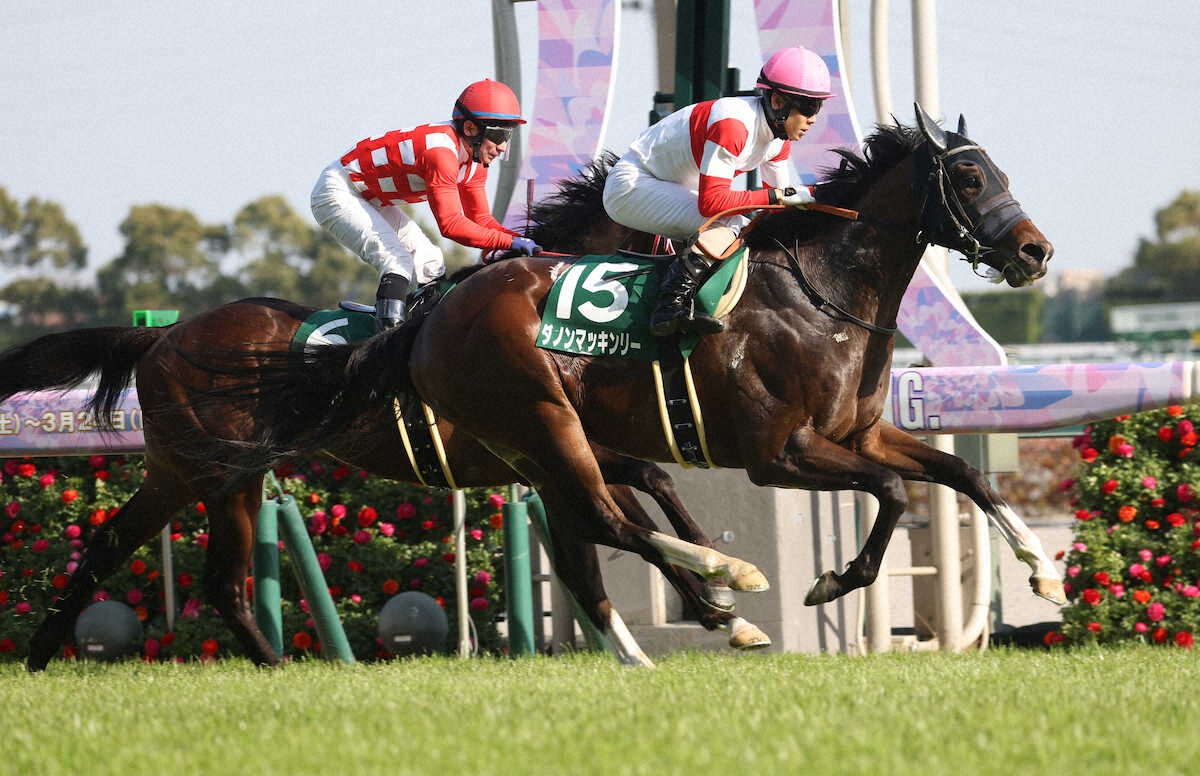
point(793, 389)
point(198, 452)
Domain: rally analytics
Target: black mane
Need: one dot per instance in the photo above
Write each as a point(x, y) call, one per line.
point(559, 222)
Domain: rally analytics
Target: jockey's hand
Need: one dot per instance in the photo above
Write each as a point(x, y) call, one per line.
point(526, 246)
point(793, 197)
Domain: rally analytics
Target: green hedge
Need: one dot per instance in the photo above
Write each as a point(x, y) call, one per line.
point(1133, 572)
point(374, 538)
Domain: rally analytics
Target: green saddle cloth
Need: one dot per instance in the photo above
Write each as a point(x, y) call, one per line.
point(602, 305)
point(332, 327)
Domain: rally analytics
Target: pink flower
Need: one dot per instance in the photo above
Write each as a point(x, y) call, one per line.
point(1149, 483)
point(495, 501)
point(1162, 560)
point(191, 608)
point(482, 577)
point(1191, 591)
point(414, 583)
point(338, 511)
point(1066, 484)
point(355, 598)
point(1125, 450)
point(476, 534)
point(46, 480)
point(71, 566)
point(41, 545)
point(406, 511)
point(97, 461)
point(1072, 571)
point(387, 529)
point(324, 560)
point(73, 531)
point(13, 509)
point(1136, 570)
point(319, 522)
point(1145, 554)
point(478, 604)
point(421, 562)
point(151, 648)
point(23, 607)
point(1155, 611)
point(362, 537)
point(1141, 627)
point(1079, 547)
point(1185, 493)
point(134, 597)
point(1117, 590)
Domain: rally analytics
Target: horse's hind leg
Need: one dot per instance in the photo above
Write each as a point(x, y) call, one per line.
point(231, 524)
point(137, 522)
point(915, 460)
point(697, 595)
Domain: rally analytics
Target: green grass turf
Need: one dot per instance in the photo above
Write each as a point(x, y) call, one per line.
point(1124, 711)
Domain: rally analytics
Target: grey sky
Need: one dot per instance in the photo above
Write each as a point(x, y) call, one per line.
point(1090, 106)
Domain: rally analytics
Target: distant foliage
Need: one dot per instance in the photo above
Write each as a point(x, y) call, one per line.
point(374, 538)
point(1133, 572)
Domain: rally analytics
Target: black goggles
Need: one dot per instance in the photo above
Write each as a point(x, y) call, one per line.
point(498, 134)
point(808, 106)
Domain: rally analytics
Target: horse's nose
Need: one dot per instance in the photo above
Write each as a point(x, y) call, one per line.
point(1037, 253)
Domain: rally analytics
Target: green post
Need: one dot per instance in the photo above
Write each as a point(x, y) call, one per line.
point(155, 317)
point(518, 580)
point(701, 50)
point(268, 612)
point(312, 582)
point(591, 633)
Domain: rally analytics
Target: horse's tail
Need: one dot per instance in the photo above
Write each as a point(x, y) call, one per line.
point(64, 360)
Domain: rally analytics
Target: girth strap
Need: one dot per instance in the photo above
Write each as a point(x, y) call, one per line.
point(679, 409)
point(423, 443)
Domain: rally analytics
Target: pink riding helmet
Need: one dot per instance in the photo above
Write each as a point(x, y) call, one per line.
point(796, 71)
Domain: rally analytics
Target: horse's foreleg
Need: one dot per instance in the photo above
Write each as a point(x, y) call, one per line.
point(231, 521)
point(912, 459)
point(137, 522)
point(813, 462)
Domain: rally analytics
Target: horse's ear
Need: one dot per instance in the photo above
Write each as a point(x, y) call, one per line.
point(962, 125)
point(929, 128)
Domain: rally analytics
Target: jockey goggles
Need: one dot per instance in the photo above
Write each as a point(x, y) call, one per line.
point(808, 106)
point(497, 133)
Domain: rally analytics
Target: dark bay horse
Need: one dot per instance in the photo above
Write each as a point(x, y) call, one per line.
point(210, 452)
point(792, 390)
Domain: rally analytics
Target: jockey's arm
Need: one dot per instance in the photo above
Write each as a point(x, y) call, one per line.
point(461, 212)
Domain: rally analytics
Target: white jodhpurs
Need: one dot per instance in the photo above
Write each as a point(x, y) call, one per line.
point(633, 197)
point(384, 237)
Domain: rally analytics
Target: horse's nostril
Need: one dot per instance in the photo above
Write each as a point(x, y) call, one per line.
point(1034, 252)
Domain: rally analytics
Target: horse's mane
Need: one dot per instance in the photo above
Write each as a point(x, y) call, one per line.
point(842, 185)
point(558, 221)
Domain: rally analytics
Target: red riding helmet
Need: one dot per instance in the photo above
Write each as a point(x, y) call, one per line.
point(488, 102)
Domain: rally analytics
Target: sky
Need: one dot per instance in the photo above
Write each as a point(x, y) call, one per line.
point(1090, 106)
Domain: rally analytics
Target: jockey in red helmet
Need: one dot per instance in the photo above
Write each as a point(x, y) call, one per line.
point(357, 198)
point(679, 172)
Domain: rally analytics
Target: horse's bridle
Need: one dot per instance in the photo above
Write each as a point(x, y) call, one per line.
point(946, 220)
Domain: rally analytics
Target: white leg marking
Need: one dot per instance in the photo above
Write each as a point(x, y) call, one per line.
point(709, 563)
point(622, 641)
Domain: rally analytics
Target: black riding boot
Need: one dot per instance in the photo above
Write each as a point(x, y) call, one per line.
point(389, 301)
point(675, 310)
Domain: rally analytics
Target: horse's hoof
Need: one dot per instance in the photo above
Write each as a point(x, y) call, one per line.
point(749, 637)
point(750, 580)
point(824, 589)
point(718, 597)
point(1049, 588)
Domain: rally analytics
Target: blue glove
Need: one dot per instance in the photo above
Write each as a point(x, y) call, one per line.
point(526, 246)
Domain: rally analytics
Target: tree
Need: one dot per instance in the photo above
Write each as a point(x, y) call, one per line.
point(1166, 269)
point(1012, 317)
point(38, 233)
point(169, 258)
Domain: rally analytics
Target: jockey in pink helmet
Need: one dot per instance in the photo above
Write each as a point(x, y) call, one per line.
point(358, 197)
point(679, 172)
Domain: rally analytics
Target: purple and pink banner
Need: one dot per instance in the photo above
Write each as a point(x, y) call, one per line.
point(577, 44)
point(928, 400)
point(59, 423)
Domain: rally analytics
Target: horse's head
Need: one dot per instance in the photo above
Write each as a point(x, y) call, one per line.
point(968, 207)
